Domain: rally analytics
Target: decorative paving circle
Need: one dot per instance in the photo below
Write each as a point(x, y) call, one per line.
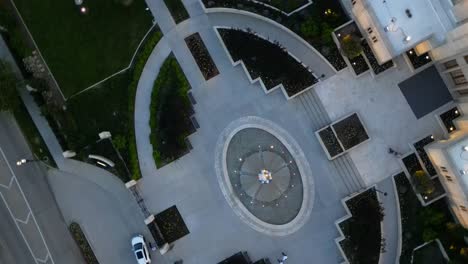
point(264, 176)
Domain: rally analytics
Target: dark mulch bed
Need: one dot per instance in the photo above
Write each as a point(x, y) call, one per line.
point(330, 141)
point(419, 146)
point(448, 117)
point(418, 61)
point(177, 10)
point(362, 231)
point(83, 244)
point(202, 56)
point(267, 60)
point(412, 164)
point(171, 224)
point(314, 24)
point(238, 258)
point(376, 67)
point(350, 131)
point(430, 253)
point(359, 65)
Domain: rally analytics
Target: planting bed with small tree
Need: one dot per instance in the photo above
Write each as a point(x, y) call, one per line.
point(350, 131)
point(330, 141)
point(267, 60)
point(428, 188)
point(202, 56)
point(418, 61)
point(314, 23)
point(448, 117)
point(419, 146)
point(170, 113)
point(363, 237)
point(177, 10)
point(171, 224)
point(352, 49)
point(423, 224)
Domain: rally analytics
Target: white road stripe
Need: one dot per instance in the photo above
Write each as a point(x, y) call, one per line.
point(30, 211)
point(25, 221)
point(9, 184)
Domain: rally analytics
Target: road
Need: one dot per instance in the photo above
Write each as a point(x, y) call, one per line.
point(32, 228)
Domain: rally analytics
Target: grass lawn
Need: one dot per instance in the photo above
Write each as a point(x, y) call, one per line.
point(82, 49)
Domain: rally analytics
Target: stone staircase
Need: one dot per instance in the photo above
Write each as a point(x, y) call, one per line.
point(347, 178)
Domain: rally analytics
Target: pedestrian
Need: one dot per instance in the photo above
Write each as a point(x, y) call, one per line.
point(285, 257)
point(280, 261)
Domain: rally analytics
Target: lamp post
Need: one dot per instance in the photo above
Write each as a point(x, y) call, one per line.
point(377, 190)
point(24, 161)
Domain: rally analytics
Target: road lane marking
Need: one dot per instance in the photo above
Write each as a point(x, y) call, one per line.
point(9, 184)
point(25, 221)
point(30, 212)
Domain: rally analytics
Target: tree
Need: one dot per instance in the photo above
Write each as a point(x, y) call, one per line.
point(310, 28)
point(351, 46)
point(9, 99)
point(424, 184)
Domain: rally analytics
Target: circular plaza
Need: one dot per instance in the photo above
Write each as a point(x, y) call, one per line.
point(264, 176)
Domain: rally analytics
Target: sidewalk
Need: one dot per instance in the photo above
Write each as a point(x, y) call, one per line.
point(390, 223)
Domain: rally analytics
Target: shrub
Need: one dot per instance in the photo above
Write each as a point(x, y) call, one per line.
point(423, 183)
point(351, 46)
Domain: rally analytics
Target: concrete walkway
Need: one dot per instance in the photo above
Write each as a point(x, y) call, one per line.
point(390, 231)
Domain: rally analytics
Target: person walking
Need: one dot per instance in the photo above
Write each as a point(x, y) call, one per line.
point(284, 257)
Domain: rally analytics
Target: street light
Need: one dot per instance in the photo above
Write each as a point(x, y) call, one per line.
point(377, 190)
point(24, 161)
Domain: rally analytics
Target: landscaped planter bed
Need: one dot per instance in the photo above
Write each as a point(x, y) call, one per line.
point(314, 23)
point(286, 6)
point(426, 223)
point(202, 56)
point(418, 61)
point(171, 224)
point(177, 10)
point(350, 131)
point(362, 243)
point(170, 113)
point(430, 253)
point(427, 188)
point(376, 67)
point(359, 65)
point(330, 141)
point(419, 146)
point(83, 243)
point(448, 117)
point(267, 60)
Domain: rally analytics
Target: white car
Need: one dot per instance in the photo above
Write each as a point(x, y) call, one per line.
point(140, 250)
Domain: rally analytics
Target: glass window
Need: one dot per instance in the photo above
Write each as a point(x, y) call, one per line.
point(458, 77)
point(450, 64)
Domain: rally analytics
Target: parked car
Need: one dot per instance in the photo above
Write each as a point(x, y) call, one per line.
point(140, 250)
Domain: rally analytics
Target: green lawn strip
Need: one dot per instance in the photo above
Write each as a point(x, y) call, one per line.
point(170, 113)
point(423, 224)
point(177, 9)
point(83, 244)
point(363, 246)
point(82, 49)
point(286, 5)
point(32, 135)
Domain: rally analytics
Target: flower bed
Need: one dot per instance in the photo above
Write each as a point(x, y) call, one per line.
point(330, 141)
point(170, 113)
point(267, 60)
point(314, 23)
point(350, 131)
point(419, 146)
point(171, 224)
point(418, 61)
point(202, 56)
point(83, 244)
point(177, 10)
point(376, 67)
point(363, 242)
point(420, 224)
point(359, 65)
point(448, 117)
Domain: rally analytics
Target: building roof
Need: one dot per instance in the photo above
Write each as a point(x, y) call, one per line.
point(425, 92)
